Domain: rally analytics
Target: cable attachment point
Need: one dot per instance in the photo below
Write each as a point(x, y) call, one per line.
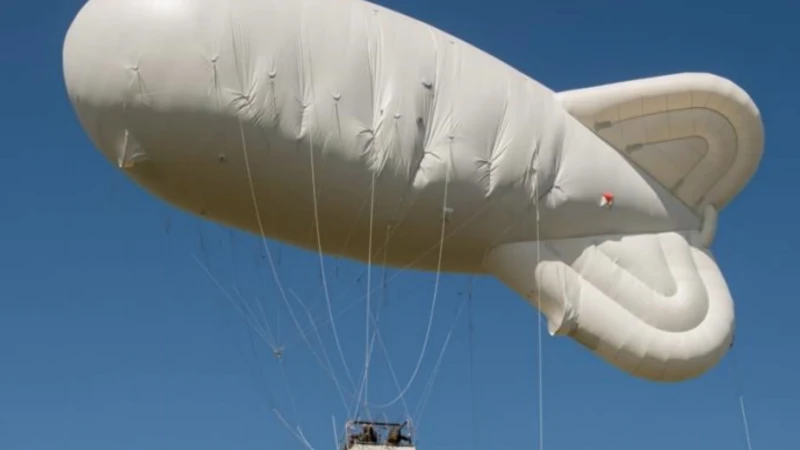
point(447, 213)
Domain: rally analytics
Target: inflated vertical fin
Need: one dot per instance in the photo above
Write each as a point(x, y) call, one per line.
point(699, 135)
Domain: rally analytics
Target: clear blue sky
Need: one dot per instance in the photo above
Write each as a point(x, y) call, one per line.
point(113, 337)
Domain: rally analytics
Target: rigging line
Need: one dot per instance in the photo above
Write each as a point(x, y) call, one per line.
point(393, 373)
point(375, 319)
point(357, 399)
point(257, 301)
point(329, 367)
point(268, 392)
point(539, 320)
point(258, 214)
point(471, 343)
point(260, 309)
point(248, 309)
point(384, 297)
point(370, 349)
point(317, 321)
point(367, 344)
point(303, 436)
point(297, 434)
point(202, 243)
point(228, 296)
point(262, 378)
point(352, 230)
point(740, 394)
point(744, 421)
point(275, 348)
point(382, 305)
point(259, 330)
point(321, 320)
point(335, 433)
point(435, 294)
point(322, 263)
point(402, 270)
point(429, 386)
point(377, 334)
point(288, 386)
point(270, 398)
point(232, 252)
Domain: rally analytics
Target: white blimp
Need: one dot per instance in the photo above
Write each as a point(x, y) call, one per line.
point(346, 128)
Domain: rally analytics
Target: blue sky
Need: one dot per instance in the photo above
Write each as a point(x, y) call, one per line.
point(113, 336)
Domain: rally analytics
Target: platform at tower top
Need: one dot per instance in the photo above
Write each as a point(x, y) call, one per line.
point(371, 435)
point(381, 447)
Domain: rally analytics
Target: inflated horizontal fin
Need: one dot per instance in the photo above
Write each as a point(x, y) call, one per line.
point(654, 305)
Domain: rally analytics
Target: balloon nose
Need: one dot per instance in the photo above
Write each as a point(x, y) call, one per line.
point(121, 57)
point(110, 43)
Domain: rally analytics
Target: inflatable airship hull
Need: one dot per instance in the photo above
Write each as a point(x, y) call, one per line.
point(346, 128)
